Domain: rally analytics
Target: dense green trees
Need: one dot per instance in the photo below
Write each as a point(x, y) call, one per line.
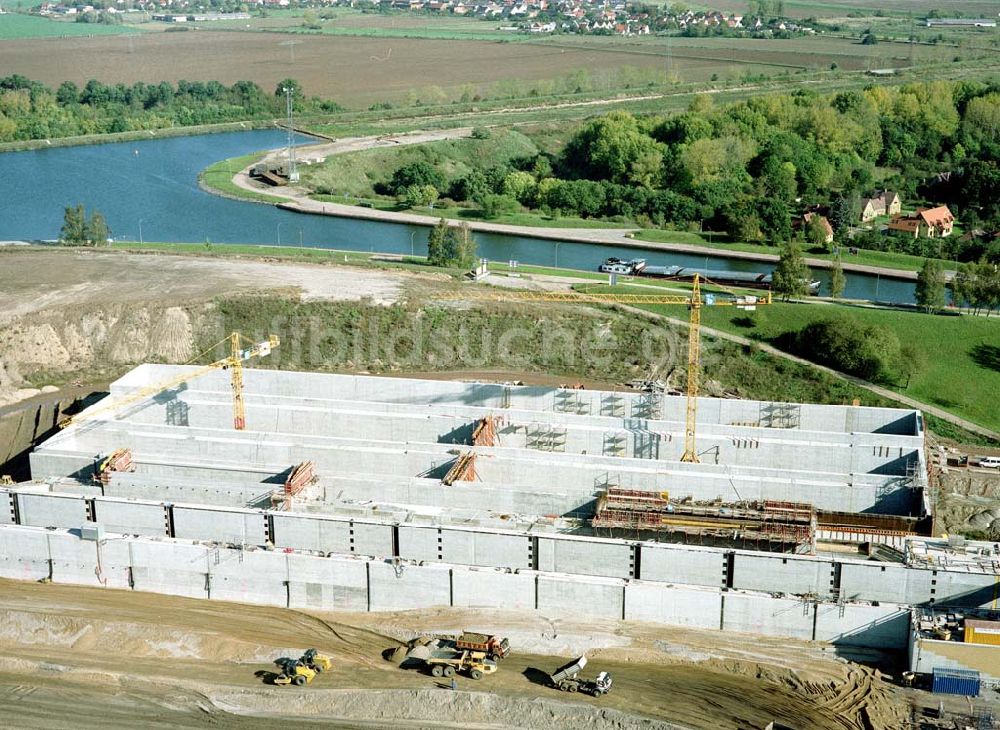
point(451, 246)
point(869, 351)
point(750, 168)
point(837, 280)
point(791, 276)
point(31, 110)
point(78, 230)
point(930, 286)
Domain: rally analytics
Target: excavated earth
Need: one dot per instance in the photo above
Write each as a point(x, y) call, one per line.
point(85, 657)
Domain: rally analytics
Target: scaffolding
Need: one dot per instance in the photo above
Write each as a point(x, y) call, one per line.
point(771, 522)
point(781, 415)
point(545, 437)
point(569, 400)
point(613, 405)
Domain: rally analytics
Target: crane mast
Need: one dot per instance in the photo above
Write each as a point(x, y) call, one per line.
point(693, 373)
point(233, 363)
point(694, 301)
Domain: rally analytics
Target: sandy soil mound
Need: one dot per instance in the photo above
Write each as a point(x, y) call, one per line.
point(433, 708)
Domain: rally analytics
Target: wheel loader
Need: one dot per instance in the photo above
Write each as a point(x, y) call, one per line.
point(316, 661)
point(293, 671)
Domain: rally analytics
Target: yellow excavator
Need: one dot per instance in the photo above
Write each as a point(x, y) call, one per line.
point(302, 671)
point(293, 671)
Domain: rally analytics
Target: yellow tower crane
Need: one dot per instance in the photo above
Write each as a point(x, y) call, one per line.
point(694, 301)
point(233, 363)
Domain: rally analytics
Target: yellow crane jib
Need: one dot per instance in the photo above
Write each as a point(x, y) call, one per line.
point(694, 301)
point(234, 363)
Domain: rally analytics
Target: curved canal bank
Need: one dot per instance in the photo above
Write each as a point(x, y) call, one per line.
point(297, 199)
point(148, 190)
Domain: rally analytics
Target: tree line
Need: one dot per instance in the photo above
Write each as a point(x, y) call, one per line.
point(751, 168)
point(31, 110)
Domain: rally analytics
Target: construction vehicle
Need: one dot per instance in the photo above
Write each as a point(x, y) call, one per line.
point(233, 363)
point(316, 661)
point(490, 646)
point(694, 301)
point(447, 662)
point(293, 671)
point(566, 678)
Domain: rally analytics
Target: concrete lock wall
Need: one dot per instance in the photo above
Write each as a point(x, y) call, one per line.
point(673, 605)
point(174, 568)
point(575, 475)
point(519, 549)
point(585, 556)
point(465, 547)
point(575, 595)
point(493, 588)
point(688, 565)
point(249, 576)
point(639, 438)
point(419, 392)
point(305, 532)
point(279, 578)
point(243, 527)
point(130, 517)
point(782, 573)
point(754, 614)
point(862, 625)
point(8, 515)
point(51, 510)
point(398, 587)
point(328, 584)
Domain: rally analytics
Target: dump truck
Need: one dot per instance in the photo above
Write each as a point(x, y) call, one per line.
point(446, 662)
point(566, 678)
point(491, 646)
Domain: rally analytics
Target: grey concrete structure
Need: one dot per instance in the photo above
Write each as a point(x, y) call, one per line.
point(213, 572)
point(380, 531)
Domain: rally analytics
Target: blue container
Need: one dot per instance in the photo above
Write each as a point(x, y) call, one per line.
point(963, 682)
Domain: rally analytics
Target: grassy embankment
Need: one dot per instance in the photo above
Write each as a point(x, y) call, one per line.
point(960, 354)
point(748, 371)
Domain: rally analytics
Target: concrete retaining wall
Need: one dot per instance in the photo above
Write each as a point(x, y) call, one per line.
point(299, 580)
point(673, 605)
point(515, 550)
point(132, 518)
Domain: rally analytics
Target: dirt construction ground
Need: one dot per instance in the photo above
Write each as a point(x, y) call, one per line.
point(85, 658)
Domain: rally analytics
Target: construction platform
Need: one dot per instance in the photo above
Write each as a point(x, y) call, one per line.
point(495, 495)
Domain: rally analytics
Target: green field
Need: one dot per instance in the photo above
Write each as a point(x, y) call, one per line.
point(962, 353)
point(14, 26)
point(355, 173)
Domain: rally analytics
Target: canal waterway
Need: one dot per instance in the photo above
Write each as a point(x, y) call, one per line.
point(148, 190)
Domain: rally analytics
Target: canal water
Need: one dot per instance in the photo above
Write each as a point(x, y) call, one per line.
point(148, 190)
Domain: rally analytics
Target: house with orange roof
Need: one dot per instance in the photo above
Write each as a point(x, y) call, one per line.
point(928, 222)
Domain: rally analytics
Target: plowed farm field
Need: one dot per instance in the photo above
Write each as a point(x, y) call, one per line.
point(353, 71)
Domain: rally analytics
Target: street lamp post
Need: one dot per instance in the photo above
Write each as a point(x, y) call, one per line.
point(279, 232)
point(557, 253)
point(412, 234)
point(140, 231)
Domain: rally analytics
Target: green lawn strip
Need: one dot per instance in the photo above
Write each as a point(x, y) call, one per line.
point(220, 177)
point(864, 257)
point(957, 376)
